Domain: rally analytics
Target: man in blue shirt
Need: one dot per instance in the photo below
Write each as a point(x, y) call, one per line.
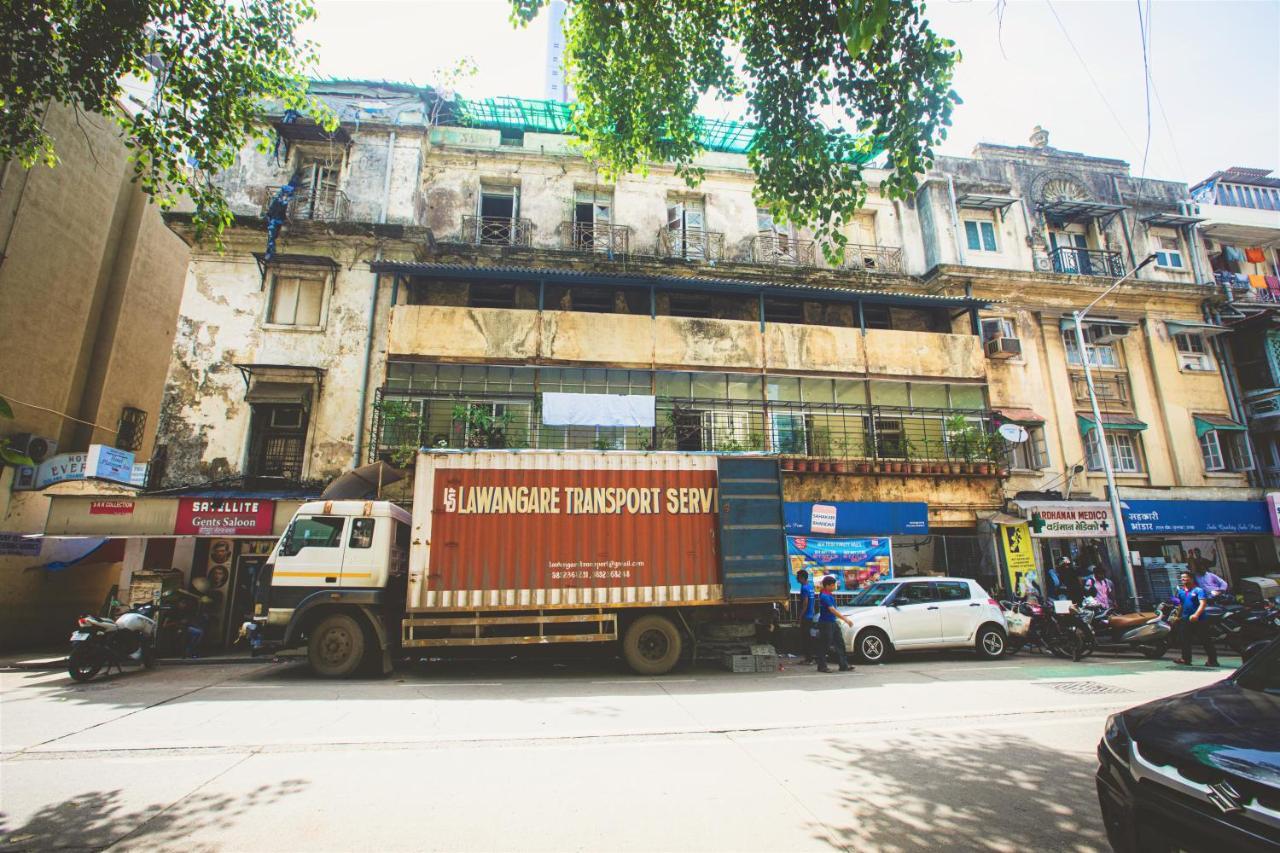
point(808, 616)
point(1192, 624)
point(828, 631)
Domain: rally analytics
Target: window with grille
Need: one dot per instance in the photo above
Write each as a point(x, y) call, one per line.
point(278, 438)
point(132, 426)
point(1193, 352)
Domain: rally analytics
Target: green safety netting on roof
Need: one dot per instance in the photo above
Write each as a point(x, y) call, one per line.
point(538, 116)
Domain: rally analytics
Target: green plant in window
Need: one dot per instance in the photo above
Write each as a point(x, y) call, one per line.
point(400, 425)
point(481, 428)
point(965, 438)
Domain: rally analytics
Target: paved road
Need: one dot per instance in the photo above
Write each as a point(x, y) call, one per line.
point(927, 753)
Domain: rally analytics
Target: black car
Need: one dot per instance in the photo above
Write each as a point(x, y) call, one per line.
point(1200, 770)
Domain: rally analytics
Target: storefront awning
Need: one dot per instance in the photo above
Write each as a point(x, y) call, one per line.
point(1127, 422)
point(1020, 416)
point(1216, 423)
point(1190, 327)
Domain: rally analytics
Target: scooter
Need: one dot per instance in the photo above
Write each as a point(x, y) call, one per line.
point(99, 642)
point(1145, 632)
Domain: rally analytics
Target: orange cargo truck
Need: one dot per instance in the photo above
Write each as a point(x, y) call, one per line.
point(648, 550)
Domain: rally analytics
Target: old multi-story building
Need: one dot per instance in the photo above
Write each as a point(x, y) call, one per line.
point(90, 281)
point(1241, 229)
point(442, 265)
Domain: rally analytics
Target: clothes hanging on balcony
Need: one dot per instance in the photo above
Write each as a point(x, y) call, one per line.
point(1254, 255)
point(277, 212)
point(1273, 282)
point(1231, 253)
point(1258, 282)
point(619, 410)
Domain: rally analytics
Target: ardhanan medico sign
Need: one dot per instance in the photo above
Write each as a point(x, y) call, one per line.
point(224, 517)
point(1069, 519)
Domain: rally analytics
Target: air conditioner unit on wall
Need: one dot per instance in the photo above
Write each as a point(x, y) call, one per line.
point(1002, 347)
point(37, 447)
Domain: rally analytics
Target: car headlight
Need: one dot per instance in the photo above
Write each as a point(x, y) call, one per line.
point(1117, 739)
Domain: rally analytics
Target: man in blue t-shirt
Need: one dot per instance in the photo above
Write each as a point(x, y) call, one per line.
point(1192, 625)
point(828, 631)
point(808, 616)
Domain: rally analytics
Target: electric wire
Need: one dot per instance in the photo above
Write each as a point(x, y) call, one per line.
point(1143, 31)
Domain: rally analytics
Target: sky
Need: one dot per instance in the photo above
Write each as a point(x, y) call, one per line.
point(1074, 67)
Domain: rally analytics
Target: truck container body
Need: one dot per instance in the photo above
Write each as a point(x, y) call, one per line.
point(510, 547)
point(564, 530)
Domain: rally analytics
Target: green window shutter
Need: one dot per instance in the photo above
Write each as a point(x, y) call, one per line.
point(988, 236)
point(971, 234)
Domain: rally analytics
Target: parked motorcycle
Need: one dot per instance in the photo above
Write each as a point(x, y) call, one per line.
point(1063, 635)
point(100, 642)
point(1237, 626)
point(1145, 632)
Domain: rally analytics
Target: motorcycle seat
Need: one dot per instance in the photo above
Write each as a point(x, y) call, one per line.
point(1129, 621)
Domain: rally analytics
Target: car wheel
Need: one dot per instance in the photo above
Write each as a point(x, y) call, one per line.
point(872, 646)
point(991, 642)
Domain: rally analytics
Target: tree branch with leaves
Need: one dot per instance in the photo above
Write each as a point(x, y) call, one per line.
point(211, 65)
point(829, 84)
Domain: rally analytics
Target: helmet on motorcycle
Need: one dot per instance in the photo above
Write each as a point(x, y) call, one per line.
point(200, 585)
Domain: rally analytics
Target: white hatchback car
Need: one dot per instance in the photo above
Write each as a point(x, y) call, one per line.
point(923, 613)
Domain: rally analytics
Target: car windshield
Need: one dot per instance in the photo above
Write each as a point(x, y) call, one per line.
point(873, 595)
point(1262, 673)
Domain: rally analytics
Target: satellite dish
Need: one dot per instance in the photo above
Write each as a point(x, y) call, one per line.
point(1013, 432)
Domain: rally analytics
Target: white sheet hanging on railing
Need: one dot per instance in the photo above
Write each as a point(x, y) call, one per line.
point(619, 410)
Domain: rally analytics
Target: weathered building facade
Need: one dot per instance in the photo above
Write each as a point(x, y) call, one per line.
point(443, 265)
point(90, 281)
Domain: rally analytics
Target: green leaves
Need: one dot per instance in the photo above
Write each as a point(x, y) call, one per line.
point(9, 456)
point(210, 66)
point(6, 411)
point(806, 69)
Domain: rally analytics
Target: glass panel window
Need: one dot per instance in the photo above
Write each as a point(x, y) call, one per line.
point(744, 387)
point(928, 395)
point(997, 327)
point(296, 301)
point(785, 388)
point(1238, 457)
point(1169, 253)
point(1123, 450)
point(851, 393)
point(967, 397)
point(1193, 352)
point(1211, 451)
point(889, 394)
point(1100, 355)
point(952, 591)
point(980, 235)
point(816, 390)
point(362, 533)
point(710, 386)
point(673, 384)
point(1031, 454)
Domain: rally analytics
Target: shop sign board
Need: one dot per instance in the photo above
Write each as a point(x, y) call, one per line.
point(111, 507)
point(19, 545)
point(1201, 517)
point(100, 461)
point(1019, 553)
point(224, 517)
point(854, 563)
point(1273, 512)
point(1069, 519)
point(856, 518)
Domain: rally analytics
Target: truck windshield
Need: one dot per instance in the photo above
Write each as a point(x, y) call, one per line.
point(312, 532)
point(873, 595)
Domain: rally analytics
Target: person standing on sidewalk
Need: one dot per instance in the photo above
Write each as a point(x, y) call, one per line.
point(808, 616)
point(1192, 626)
point(828, 631)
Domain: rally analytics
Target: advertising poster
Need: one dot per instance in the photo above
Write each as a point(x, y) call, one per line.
point(854, 562)
point(1019, 552)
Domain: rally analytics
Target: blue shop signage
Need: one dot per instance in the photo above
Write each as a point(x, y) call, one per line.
point(855, 518)
point(1197, 517)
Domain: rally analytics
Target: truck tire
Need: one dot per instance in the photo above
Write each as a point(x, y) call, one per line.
point(652, 645)
point(336, 646)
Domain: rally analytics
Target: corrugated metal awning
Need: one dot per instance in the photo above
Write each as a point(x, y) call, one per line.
point(1078, 210)
point(982, 201)
point(1216, 423)
point(278, 393)
point(1110, 421)
point(1019, 416)
point(1180, 327)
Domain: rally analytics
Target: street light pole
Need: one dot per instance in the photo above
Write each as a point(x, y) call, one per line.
point(1077, 319)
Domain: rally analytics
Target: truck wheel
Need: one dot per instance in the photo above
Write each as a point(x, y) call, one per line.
point(652, 645)
point(336, 647)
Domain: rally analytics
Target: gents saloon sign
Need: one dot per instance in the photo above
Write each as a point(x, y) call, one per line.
point(224, 517)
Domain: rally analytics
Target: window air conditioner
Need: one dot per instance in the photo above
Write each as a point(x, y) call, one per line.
point(1002, 347)
point(36, 447)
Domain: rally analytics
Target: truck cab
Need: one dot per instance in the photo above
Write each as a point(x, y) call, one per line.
point(335, 584)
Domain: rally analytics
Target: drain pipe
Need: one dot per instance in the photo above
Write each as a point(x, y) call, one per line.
point(358, 446)
point(955, 219)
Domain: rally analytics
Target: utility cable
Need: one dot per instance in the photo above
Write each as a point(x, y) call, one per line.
point(62, 415)
point(1143, 30)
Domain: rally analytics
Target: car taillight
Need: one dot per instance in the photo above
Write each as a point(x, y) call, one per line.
point(82, 622)
point(994, 603)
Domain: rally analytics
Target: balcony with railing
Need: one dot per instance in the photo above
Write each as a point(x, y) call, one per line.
point(496, 231)
point(1263, 403)
point(877, 259)
point(601, 238)
point(829, 438)
point(690, 244)
point(782, 250)
point(1073, 261)
point(321, 203)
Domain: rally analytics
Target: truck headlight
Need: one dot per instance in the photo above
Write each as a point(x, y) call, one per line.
point(1117, 739)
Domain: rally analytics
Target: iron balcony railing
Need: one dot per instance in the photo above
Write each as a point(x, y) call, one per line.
point(323, 203)
point(864, 258)
point(691, 244)
point(1264, 403)
point(1074, 261)
point(842, 438)
point(597, 237)
point(782, 250)
point(496, 231)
